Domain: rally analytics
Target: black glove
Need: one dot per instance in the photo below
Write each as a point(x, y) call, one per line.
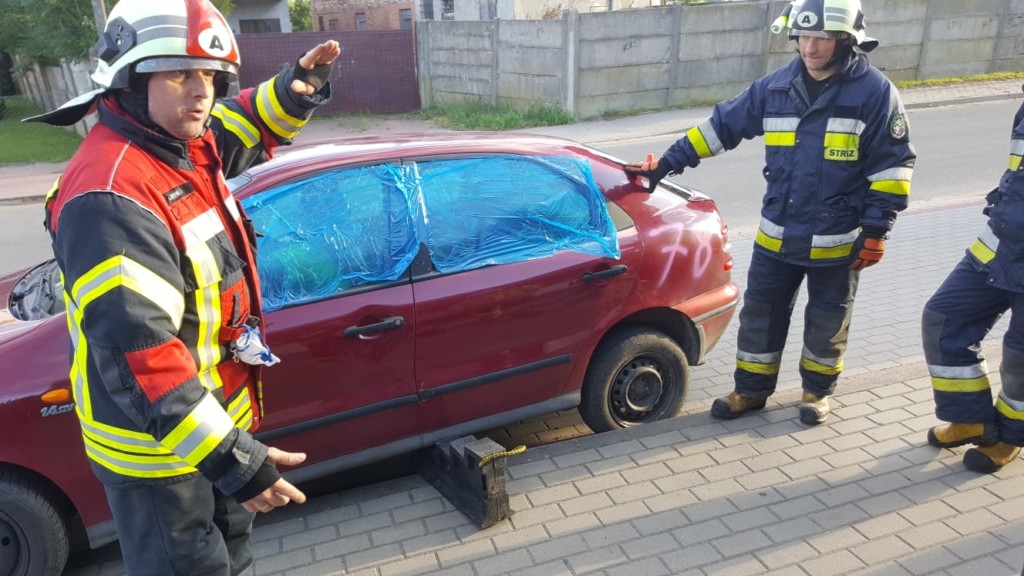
point(869, 247)
point(991, 199)
point(656, 172)
point(316, 76)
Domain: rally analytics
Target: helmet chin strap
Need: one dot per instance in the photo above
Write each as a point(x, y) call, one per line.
point(841, 54)
point(135, 101)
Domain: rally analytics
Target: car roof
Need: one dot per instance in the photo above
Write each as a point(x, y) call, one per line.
point(362, 149)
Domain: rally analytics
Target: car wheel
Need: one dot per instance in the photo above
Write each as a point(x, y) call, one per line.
point(33, 537)
point(637, 375)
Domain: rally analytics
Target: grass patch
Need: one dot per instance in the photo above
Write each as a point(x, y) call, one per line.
point(472, 116)
point(967, 79)
point(34, 142)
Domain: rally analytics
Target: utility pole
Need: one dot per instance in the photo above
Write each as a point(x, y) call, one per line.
point(99, 12)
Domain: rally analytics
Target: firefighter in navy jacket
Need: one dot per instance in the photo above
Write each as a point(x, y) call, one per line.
point(987, 282)
point(160, 282)
point(838, 164)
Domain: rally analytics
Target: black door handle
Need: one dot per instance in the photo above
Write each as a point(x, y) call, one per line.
point(385, 324)
point(612, 272)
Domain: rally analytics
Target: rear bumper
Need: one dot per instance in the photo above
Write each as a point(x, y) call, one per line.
point(711, 313)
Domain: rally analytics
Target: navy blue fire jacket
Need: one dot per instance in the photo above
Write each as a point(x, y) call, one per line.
point(832, 166)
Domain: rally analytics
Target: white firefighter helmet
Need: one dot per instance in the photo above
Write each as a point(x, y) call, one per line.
point(819, 17)
point(144, 36)
point(166, 35)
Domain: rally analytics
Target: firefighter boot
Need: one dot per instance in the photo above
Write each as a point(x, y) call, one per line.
point(735, 405)
point(988, 459)
point(957, 434)
point(813, 409)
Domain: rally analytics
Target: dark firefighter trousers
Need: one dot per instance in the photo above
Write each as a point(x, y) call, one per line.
point(768, 302)
point(955, 321)
point(181, 525)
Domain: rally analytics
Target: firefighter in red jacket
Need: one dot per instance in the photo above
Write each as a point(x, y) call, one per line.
point(160, 282)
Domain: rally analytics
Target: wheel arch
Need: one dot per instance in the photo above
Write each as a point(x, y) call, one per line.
point(73, 522)
point(673, 323)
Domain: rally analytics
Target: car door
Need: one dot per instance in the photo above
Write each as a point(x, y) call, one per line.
point(334, 263)
point(507, 328)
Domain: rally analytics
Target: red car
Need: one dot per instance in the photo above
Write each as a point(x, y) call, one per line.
point(417, 289)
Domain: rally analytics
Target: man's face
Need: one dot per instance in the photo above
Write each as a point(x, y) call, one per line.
point(180, 101)
point(816, 52)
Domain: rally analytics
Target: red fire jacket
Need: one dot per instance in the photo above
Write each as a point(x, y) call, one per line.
point(159, 279)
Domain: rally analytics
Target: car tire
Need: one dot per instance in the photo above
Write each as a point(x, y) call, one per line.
point(636, 376)
point(33, 536)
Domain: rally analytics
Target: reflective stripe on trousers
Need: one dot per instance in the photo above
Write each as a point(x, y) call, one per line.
point(772, 289)
point(954, 322)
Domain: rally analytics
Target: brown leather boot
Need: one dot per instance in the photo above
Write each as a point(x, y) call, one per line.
point(958, 434)
point(814, 409)
point(988, 459)
point(734, 405)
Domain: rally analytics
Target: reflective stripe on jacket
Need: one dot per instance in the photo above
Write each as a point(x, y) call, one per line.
point(831, 167)
point(1000, 245)
point(159, 277)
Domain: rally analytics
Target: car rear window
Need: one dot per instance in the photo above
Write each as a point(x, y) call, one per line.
point(499, 210)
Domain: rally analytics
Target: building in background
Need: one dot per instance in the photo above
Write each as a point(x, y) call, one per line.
point(361, 15)
point(260, 16)
point(356, 15)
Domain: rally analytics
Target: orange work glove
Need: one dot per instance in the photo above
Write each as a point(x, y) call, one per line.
point(868, 249)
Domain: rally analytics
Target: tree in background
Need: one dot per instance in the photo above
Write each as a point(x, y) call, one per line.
point(225, 6)
point(302, 17)
point(52, 31)
point(47, 31)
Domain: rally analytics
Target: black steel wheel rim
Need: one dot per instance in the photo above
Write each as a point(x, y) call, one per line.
point(11, 543)
point(636, 393)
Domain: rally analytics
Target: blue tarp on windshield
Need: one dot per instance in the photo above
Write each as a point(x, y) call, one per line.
point(354, 226)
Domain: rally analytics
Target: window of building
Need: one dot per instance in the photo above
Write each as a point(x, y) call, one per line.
point(259, 26)
point(405, 18)
point(447, 9)
point(360, 20)
point(334, 24)
point(320, 21)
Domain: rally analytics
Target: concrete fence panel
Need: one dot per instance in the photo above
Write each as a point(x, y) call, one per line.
point(682, 55)
point(529, 63)
point(462, 62)
point(1010, 45)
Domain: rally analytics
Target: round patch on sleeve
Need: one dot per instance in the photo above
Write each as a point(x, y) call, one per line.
point(898, 126)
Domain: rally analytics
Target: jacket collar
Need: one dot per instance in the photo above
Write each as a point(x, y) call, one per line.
point(170, 151)
point(855, 66)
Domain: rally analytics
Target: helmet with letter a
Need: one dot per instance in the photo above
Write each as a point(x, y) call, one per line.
point(143, 36)
point(147, 36)
point(840, 19)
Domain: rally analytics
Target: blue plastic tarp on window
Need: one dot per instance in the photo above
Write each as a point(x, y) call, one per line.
point(499, 210)
point(354, 226)
point(331, 232)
